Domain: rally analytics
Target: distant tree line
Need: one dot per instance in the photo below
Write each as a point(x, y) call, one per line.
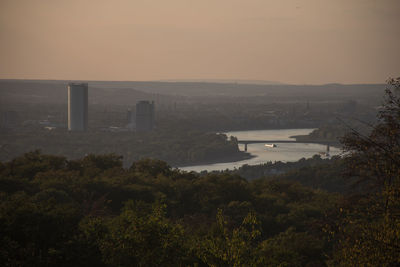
point(315, 172)
point(177, 147)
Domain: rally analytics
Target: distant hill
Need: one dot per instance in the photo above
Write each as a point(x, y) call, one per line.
point(363, 93)
point(239, 81)
point(37, 91)
point(204, 89)
point(127, 93)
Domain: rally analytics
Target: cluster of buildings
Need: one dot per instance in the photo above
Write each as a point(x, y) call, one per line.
point(141, 120)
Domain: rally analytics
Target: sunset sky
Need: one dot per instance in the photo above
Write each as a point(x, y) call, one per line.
point(299, 42)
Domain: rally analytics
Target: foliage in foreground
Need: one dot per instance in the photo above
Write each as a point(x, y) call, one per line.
point(92, 211)
point(369, 228)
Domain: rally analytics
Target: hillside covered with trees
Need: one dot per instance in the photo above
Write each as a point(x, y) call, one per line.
point(177, 147)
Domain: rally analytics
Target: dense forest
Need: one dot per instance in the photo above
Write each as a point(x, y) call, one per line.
point(94, 212)
point(315, 172)
point(177, 147)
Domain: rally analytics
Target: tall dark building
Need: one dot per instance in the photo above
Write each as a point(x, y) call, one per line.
point(144, 116)
point(77, 106)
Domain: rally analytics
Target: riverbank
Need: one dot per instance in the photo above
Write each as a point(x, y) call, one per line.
point(324, 134)
point(230, 158)
point(284, 152)
point(309, 138)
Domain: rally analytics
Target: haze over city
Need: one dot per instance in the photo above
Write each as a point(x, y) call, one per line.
point(296, 42)
point(199, 133)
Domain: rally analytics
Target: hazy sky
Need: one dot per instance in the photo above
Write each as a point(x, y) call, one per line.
point(291, 41)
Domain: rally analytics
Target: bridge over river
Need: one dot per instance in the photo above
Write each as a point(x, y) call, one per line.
point(327, 143)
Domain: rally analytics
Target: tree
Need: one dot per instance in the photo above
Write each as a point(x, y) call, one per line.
point(139, 237)
point(152, 167)
point(231, 248)
point(370, 228)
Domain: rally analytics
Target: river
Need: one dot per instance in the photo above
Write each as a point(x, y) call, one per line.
point(283, 152)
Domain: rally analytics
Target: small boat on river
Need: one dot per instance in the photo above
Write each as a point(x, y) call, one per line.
point(270, 145)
